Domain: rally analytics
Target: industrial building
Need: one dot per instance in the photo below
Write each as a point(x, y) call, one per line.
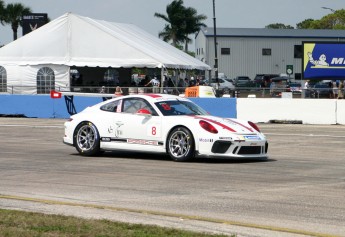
point(251, 51)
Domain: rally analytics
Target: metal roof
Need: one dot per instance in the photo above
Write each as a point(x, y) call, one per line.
point(273, 33)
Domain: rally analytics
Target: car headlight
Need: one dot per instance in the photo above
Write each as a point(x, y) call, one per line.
point(208, 127)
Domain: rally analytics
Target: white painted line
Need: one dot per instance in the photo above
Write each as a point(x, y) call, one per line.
point(303, 135)
point(31, 126)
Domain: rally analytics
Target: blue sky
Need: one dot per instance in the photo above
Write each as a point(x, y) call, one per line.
point(229, 13)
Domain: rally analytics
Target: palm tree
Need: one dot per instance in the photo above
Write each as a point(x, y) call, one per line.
point(13, 15)
point(174, 18)
point(2, 12)
point(193, 24)
point(182, 22)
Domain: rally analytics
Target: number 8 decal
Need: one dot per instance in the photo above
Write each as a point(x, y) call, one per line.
point(166, 106)
point(154, 131)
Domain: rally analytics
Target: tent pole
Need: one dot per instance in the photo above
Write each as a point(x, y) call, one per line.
point(177, 79)
point(162, 79)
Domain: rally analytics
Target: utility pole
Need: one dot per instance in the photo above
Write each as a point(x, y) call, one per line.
point(215, 44)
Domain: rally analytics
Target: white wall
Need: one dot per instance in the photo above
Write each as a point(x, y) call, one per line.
point(309, 111)
point(246, 57)
point(23, 79)
point(341, 111)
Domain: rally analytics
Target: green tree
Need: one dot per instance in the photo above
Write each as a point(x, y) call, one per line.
point(192, 24)
point(334, 20)
point(306, 24)
point(278, 26)
point(13, 15)
point(174, 18)
point(2, 12)
point(181, 22)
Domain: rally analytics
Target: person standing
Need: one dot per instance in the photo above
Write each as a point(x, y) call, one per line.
point(102, 90)
point(118, 91)
point(186, 82)
point(341, 90)
point(335, 90)
point(155, 84)
point(306, 89)
point(330, 85)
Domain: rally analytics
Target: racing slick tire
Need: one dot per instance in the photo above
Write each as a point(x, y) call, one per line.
point(86, 139)
point(180, 144)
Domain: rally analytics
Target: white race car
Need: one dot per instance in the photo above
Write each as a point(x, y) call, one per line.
point(162, 123)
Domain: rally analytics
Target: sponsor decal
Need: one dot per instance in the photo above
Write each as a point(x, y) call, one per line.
point(117, 131)
point(153, 130)
point(239, 138)
point(323, 59)
point(248, 138)
point(165, 106)
point(142, 142)
point(205, 140)
point(55, 94)
point(252, 137)
point(110, 129)
point(225, 138)
point(112, 139)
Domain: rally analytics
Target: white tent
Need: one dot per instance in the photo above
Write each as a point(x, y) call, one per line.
point(73, 40)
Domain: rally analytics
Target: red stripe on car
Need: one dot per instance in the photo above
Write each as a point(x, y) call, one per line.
point(154, 95)
point(215, 122)
point(250, 129)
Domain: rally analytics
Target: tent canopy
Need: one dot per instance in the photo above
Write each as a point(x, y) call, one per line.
point(74, 40)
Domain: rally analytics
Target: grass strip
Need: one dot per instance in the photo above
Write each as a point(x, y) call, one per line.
point(30, 224)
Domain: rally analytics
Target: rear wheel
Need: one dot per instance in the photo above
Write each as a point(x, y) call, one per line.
point(180, 144)
point(86, 139)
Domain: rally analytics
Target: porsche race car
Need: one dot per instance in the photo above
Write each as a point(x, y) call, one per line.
point(165, 124)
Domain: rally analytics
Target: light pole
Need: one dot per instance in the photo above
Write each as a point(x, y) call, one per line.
point(327, 8)
point(215, 44)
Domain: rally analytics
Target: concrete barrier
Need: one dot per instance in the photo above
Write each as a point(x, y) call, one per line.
point(42, 106)
point(341, 111)
point(222, 107)
point(309, 111)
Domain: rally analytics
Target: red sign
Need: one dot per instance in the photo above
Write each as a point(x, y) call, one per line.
point(55, 94)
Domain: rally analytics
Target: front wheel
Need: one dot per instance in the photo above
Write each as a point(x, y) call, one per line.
point(180, 144)
point(86, 139)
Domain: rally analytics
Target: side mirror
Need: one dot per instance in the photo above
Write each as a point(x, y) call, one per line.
point(143, 112)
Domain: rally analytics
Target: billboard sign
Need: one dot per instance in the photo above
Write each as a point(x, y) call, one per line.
point(32, 21)
point(323, 60)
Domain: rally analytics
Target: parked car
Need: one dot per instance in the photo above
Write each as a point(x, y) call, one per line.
point(229, 80)
point(224, 85)
point(296, 88)
point(162, 123)
point(264, 80)
point(243, 82)
point(279, 85)
point(320, 90)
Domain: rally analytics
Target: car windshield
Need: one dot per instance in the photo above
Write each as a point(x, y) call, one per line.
point(214, 80)
point(321, 86)
point(179, 107)
point(243, 78)
point(295, 85)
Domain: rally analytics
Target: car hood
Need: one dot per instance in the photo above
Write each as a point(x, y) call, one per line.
point(229, 124)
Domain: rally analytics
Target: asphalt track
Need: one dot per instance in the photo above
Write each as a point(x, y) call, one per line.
point(299, 190)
